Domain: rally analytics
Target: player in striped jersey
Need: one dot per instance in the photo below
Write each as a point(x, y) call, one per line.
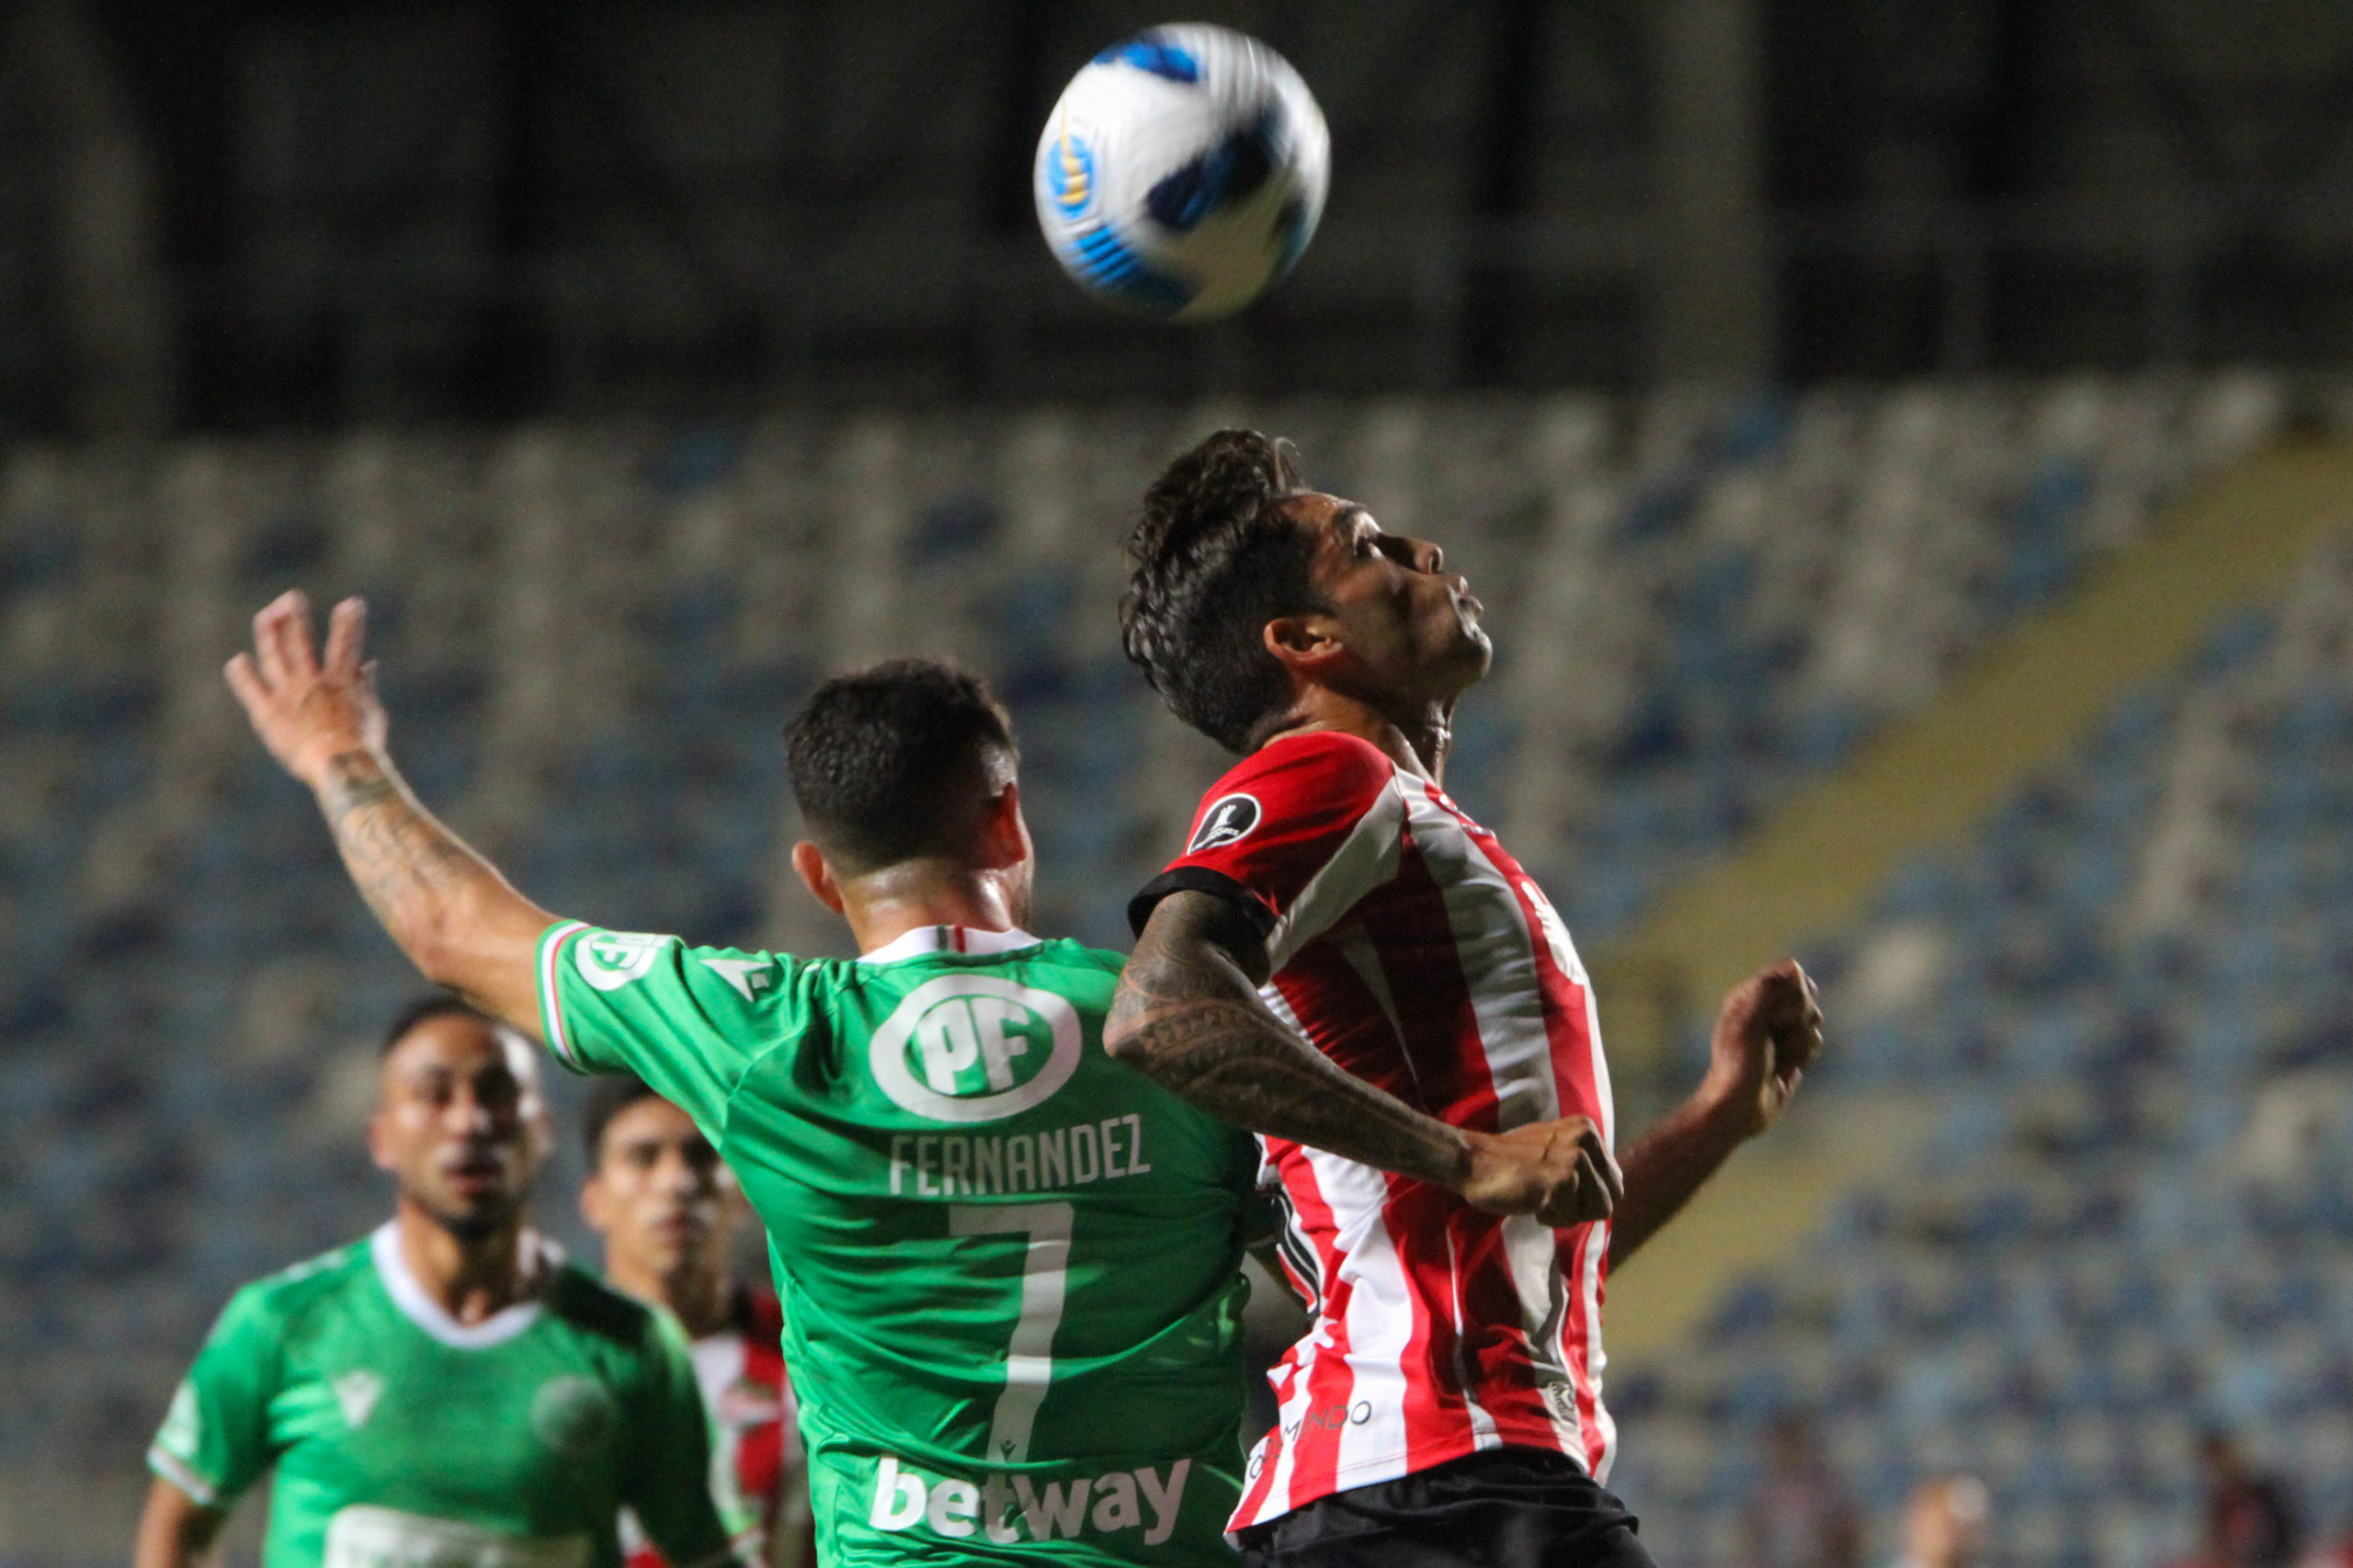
point(1339, 932)
point(666, 1209)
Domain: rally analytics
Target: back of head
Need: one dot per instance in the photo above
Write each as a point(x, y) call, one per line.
point(899, 762)
point(1213, 559)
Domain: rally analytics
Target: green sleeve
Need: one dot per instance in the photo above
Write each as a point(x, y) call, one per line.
point(687, 1021)
point(215, 1441)
point(669, 1473)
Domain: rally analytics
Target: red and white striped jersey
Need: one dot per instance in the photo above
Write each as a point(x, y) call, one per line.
point(755, 1435)
point(1413, 950)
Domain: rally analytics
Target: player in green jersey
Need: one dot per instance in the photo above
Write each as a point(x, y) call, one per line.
point(448, 1390)
point(1008, 1263)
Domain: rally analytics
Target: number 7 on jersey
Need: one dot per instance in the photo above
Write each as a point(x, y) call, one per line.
point(1045, 1277)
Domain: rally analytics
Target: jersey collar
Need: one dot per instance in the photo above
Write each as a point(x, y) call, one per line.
point(925, 939)
point(431, 1315)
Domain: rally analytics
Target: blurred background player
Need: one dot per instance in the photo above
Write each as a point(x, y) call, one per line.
point(667, 1208)
point(1337, 927)
point(1801, 1516)
point(2250, 1520)
point(448, 1390)
point(1945, 1524)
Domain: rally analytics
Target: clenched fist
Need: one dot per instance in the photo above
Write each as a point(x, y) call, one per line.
point(1561, 1171)
point(1767, 1032)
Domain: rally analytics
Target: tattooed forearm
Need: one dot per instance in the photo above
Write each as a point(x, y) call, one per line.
point(449, 910)
point(403, 862)
point(407, 865)
point(1189, 1016)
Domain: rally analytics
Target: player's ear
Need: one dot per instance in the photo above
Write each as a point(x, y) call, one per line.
point(378, 1151)
point(1005, 835)
point(592, 1203)
point(809, 865)
point(1301, 641)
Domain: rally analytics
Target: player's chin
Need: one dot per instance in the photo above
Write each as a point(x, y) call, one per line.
point(474, 1208)
point(1469, 654)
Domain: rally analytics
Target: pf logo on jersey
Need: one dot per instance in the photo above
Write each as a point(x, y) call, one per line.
point(1229, 820)
point(974, 1048)
point(610, 959)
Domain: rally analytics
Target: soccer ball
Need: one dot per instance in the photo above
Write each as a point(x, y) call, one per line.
point(1183, 172)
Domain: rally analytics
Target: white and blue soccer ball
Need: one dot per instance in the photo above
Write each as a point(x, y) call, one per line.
point(1183, 172)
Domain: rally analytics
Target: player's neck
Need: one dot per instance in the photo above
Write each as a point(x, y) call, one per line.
point(1416, 740)
point(884, 905)
point(472, 1277)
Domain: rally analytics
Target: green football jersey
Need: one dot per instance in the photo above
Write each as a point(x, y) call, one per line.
point(1008, 1264)
point(406, 1439)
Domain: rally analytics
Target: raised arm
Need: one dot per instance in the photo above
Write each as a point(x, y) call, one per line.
point(1189, 1015)
point(1768, 1031)
point(459, 922)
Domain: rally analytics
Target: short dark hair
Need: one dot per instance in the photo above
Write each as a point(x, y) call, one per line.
point(893, 761)
point(607, 1098)
point(424, 1010)
point(1213, 559)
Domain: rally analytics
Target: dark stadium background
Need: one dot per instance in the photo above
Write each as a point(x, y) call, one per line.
point(1907, 446)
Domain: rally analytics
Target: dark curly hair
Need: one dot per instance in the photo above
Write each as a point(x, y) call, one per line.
point(894, 762)
point(1213, 559)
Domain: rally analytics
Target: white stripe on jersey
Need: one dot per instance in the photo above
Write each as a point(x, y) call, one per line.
point(1482, 1426)
point(550, 1007)
point(1604, 1101)
point(1355, 944)
point(1539, 1275)
point(1288, 1413)
point(1590, 1286)
point(174, 1469)
point(1380, 1312)
point(1366, 859)
point(1498, 966)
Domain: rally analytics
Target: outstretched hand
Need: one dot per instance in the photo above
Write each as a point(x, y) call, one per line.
point(1767, 1032)
point(1561, 1171)
point(308, 711)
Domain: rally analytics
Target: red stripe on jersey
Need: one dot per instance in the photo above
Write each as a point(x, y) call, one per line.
point(1438, 1409)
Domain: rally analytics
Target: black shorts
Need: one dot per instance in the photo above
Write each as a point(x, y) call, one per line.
point(1504, 1508)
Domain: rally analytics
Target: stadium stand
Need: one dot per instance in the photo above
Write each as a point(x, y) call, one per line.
point(590, 636)
point(2128, 995)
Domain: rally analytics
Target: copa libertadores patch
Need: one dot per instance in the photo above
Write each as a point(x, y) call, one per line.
point(1229, 819)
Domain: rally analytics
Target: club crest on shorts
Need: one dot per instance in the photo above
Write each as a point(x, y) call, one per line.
point(1230, 819)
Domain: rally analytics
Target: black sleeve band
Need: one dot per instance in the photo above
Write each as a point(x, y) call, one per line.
point(1201, 878)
